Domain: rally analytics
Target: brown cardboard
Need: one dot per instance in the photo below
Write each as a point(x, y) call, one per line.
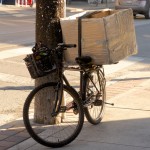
point(108, 36)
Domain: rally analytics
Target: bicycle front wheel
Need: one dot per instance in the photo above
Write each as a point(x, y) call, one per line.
point(63, 128)
point(95, 96)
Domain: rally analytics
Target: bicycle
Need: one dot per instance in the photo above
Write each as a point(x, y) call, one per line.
point(89, 100)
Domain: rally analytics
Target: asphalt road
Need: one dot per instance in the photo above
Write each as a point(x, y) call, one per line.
point(143, 38)
point(16, 30)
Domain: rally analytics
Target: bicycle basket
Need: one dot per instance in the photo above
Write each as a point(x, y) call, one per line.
point(39, 64)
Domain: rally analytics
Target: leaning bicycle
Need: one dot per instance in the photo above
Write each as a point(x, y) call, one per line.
point(66, 106)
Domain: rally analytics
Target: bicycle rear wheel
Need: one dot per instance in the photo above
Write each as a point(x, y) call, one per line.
point(95, 97)
point(58, 133)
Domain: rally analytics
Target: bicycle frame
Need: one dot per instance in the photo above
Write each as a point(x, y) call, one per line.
point(84, 75)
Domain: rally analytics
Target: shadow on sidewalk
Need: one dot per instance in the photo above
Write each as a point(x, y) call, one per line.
point(128, 79)
point(17, 88)
point(12, 133)
point(130, 132)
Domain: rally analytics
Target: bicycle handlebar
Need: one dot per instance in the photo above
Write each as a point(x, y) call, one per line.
point(41, 47)
point(67, 45)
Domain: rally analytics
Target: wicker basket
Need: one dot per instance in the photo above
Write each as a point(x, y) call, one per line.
point(39, 66)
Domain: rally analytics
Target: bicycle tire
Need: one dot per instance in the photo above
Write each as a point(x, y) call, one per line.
point(94, 113)
point(42, 135)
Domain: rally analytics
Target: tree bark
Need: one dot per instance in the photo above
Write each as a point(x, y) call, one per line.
point(48, 31)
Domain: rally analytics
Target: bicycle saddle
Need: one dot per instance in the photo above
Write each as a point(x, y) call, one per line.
point(83, 60)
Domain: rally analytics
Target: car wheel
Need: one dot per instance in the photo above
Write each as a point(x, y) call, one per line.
point(134, 15)
point(147, 14)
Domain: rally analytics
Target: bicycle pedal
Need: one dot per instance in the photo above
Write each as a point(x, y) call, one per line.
point(86, 103)
point(98, 103)
point(63, 109)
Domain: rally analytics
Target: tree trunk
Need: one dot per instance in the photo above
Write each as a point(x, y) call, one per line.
point(48, 31)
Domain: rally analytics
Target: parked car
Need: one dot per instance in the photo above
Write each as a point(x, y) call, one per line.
point(138, 6)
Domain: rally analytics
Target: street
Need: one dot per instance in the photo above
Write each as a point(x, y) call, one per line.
point(16, 30)
point(132, 75)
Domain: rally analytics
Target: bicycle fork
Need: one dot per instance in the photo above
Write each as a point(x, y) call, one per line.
point(92, 98)
point(59, 95)
point(58, 99)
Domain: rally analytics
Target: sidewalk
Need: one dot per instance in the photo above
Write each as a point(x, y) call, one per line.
point(126, 126)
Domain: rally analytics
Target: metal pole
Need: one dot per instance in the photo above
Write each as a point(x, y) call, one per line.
point(26, 3)
point(65, 1)
point(18, 2)
point(106, 4)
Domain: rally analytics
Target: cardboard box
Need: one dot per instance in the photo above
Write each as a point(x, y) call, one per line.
point(108, 36)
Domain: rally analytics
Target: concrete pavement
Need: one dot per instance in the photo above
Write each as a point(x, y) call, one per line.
point(125, 126)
